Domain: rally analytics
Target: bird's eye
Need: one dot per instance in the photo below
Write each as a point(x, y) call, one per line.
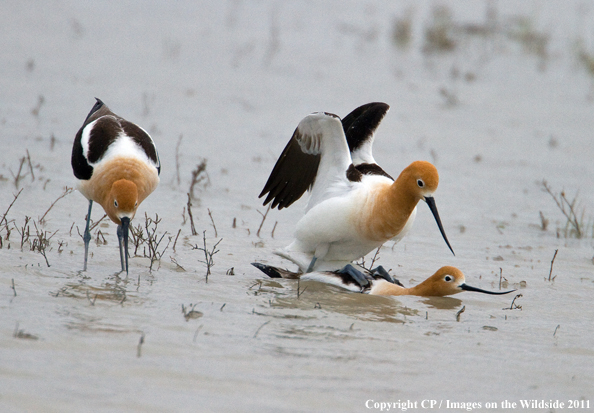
point(136, 204)
point(448, 278)
point(115, 203)
point(420, 183)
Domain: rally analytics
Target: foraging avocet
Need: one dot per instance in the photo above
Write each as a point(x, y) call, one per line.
point(446, 281)
point(354, 205)
point(117, 165)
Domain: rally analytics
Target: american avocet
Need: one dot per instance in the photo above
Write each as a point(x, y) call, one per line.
point(117, 165)
point(354, 205)
point(446, 281)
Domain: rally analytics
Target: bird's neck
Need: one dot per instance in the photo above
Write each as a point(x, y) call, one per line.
point(424, 289)
point(390, 208)
point(383, 287)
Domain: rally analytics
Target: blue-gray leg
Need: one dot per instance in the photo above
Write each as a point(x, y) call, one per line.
point(123, 249)
point(381, 272)
point(87, 235)
point(311, 264)
point(357, 275)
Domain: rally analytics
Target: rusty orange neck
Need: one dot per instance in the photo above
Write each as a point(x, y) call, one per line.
point(390, 208)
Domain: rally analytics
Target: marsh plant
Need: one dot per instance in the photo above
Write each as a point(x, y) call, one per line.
point(576, 225)
point(208, 253)
point(149, 239)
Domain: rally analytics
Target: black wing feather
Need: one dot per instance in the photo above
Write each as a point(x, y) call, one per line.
point(361, 123)
point(80, 165)
point(292, 175)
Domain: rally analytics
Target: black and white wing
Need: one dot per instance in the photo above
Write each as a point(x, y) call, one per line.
point(359, 128)
point(317, 157)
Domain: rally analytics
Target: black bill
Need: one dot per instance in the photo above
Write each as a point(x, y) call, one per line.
point(467, 287)
point(431, 202)
point(125, 227)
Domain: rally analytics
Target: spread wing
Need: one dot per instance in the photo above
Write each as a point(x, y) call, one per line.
point(359, 128)
point(317, 158)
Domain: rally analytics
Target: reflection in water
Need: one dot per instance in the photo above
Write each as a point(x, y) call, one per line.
point(112, 292)
point(319, 296)
point(442, 303)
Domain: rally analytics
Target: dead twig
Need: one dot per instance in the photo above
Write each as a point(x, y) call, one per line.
point(574, 224)
point(173, 260)
point(551, 270)
point(177, 160)
point(375, 257)
point(3, 220)
point(273, 229)
point(208, 255)
point(140, 343)
point(213, 223)
point(199, 175)
point(192, 227)
point(513, 305)
point(260, 328)
point(263, 219)
point(501, 277)
point(41, 242)
point(544, 223)
point(299, 291)
point(17, 178)
point(94, 224)
point(459, 313)
point(30, 165)
point(66, 192)
point(176, 237)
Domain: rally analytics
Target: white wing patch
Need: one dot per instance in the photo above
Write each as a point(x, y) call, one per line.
point(365, 153)
point(322, 134)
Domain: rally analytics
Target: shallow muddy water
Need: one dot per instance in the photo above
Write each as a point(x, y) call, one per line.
point(503, 103)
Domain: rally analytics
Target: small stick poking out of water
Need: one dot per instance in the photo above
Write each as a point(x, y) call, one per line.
point(176, 237)
point(556, 328)
point(140, 343)
point(459, 313)
point(13, 289)
point(513, 305)
point(551, 270)
point(260, 328)
point(3, 220)
point(213, 224)
point(192, 227)
point(263, 219)
point(299, 290)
